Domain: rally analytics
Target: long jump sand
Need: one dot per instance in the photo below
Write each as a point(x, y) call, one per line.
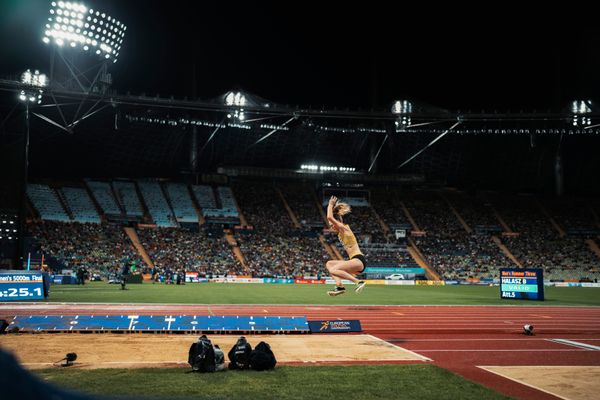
point(567, 382)
point(156, 350)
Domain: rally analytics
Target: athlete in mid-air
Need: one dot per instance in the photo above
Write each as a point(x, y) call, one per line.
point(356, 263)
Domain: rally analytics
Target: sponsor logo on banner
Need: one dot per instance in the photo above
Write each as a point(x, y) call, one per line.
point(275, 280)
point(590, 284)
point(310, 281)
point(333, 326)
point(391, 270)
point(244, 280)
point(375, 281)
point(400, 283)
point(430, 283)
point(344, 281)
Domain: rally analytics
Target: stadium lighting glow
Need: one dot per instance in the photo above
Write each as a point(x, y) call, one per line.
point(402, 107)
point(581, 121)
point(239, 115)
point(34, 79)
point(68, 21)
point(581, 107)
point(325, 168)
point(235, 99)
point(271, 127)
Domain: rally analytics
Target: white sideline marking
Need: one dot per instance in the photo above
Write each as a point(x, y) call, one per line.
point(401, 348)
point(496, 350)
point(576, 344)
point(116, 362)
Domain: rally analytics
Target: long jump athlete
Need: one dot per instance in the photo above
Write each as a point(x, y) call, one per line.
point(344, 269)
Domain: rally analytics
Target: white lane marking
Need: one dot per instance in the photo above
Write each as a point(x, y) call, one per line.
point(575, 344)
point(495, 350)
point(401, 348)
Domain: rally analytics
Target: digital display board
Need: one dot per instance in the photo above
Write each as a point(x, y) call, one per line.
point(21, 286)
point(521, 284)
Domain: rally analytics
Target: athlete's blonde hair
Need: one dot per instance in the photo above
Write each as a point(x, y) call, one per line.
point(340, 209)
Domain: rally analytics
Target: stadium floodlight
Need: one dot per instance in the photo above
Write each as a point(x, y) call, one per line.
point(34, 79)
point(71, 23)
point(581, 106)
point(31, 96)
point(325, 168)
point(402, 107)
point(235, 99)
point(35, 82)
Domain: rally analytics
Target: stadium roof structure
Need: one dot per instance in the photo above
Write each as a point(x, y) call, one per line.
point(151, 136)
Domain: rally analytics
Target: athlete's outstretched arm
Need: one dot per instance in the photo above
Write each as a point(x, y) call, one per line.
point(334, 223)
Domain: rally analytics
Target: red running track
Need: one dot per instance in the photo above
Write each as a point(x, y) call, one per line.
point(459, 338)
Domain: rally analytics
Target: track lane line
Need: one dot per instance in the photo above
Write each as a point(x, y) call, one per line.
point(575, 344)
point(401, 348)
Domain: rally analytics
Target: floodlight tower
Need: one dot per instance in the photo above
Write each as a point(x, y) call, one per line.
point(33, 85)
point(84, 42)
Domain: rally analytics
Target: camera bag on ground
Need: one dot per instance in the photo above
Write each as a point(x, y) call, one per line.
point(201, 355)
point(239, 355)
point(262, 357)
point(219, 358)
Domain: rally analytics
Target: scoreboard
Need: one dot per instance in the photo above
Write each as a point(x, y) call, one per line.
point(23, 285)
point(521, 284)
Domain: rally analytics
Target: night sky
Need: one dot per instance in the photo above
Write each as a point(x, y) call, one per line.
point(343, 55)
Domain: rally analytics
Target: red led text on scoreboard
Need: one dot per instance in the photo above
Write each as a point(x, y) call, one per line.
point(519, 273)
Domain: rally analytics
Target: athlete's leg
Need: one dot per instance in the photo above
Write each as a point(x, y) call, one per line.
point(331, 266)
point(339, 287)
point(347, 270)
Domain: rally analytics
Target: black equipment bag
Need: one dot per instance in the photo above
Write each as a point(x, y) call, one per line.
point(262, 357)
point(201, 355)
point(219, 358)
point(239, 355)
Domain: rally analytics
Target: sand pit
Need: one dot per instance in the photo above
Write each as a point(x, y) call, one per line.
point(155, 350)
point(567, 382)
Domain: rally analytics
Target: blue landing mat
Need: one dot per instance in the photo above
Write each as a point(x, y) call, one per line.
point(154, 323)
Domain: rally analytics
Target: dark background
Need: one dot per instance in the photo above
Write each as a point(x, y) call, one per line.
point(342, 54)
point(494, 56)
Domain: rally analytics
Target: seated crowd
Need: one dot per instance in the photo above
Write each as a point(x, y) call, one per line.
point(269, 249)
point(178, 249)
point(99, 248)
point(542, 236)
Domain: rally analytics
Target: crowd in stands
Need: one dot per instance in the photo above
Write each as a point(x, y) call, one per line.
point(99, 248)
point(387, 254)
point(269, 255)
point(389, 206)
point(178, 249)
point(474, 210)
point(539, 244)
point(461, 255)
point(542, 236)
point(302, 201)
point(365, 225)
point(573, 215)
point(270, 250)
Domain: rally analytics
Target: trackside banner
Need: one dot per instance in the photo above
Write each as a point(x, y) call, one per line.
point(430, 283)
point(335, 326)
